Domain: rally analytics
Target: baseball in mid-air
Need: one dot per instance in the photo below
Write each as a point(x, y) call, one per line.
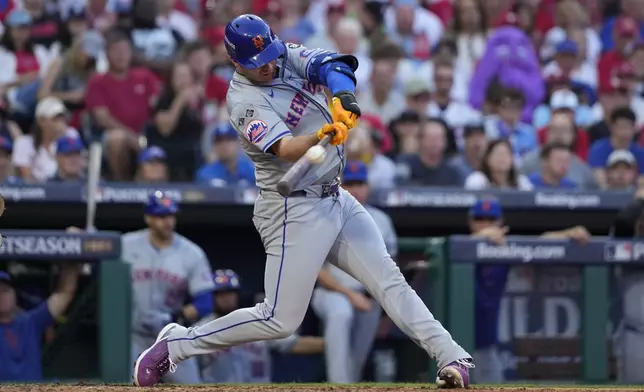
point(316, 154)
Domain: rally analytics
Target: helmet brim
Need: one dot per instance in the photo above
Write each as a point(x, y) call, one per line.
point(272, 52)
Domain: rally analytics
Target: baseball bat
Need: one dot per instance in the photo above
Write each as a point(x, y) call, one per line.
point(93, 176)
point(298, 170)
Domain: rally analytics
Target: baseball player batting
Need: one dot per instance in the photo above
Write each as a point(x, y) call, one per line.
point(351, 318)
point(277, 103)
point(250, 362)
point(167, 270)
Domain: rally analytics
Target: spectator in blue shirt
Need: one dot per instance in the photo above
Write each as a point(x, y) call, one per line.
point(6, 168)
point(474, 147)
point(621, 171)
point(555, 163)
point(21, 333)
point(622, 130)
point(152, 165)
point(506, 124)
point(232, 167)
point(69, 159)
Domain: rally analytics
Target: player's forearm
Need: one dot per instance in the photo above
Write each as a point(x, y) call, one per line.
point(308, 345)
point(330, 283)
point(67, 283)
point(292, 148)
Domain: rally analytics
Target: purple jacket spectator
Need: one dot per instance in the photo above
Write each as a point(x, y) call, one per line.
point(511, 59)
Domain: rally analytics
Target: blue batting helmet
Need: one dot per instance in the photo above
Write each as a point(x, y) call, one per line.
point(250, 41)
point(159, 204)
point(226, 279)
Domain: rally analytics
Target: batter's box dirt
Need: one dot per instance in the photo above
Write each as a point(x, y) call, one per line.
point(290, 388)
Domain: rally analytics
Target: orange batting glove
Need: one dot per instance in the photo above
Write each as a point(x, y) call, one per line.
point(345, 109)
point(339, 131)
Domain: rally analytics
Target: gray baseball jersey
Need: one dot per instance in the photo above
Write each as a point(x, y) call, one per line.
point(247, 363)
point(162, 279)
point(289, 105)
point(300, 233)
point(386, 227)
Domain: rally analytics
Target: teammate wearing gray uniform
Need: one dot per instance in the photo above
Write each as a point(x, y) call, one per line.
point(167, 269)
point(277, 103)
point(351, 317)
point(250, 362)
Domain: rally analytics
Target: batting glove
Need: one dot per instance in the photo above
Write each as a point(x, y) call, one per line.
point(338, 130)
point(345, 109)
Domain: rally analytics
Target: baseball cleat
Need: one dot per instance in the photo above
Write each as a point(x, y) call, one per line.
point(155, 362)
point(455, 375)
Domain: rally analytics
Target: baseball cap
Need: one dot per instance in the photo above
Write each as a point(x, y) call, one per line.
point(626, 27)
point(416, 86)
point(69, 144)
point(153, 153)
point(486, 208)
point(224, 131)
point(621, 156)
point(50, 107)
point(158, 204)
point(564, 99)
point(6, 278)
point(18, 17)
point(92, 43)
point(355, 171)
point(6, 144)
point(567, 46)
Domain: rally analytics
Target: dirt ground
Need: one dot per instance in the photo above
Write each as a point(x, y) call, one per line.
point(287, 387)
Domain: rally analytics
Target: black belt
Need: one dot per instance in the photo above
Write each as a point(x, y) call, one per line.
point(327, 190)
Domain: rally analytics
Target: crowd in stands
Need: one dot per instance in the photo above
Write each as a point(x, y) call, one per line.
point(519, 94)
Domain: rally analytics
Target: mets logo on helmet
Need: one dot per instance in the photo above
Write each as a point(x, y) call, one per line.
point(258, 41)
point(256, 131)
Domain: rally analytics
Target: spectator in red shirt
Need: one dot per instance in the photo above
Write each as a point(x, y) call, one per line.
point(121, 102)
point(625, 32)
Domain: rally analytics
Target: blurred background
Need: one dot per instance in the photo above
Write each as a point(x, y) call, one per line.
point(480, 117)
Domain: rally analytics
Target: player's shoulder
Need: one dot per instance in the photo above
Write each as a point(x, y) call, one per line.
point(377, 214)
point(187, 245)
point(134, 237)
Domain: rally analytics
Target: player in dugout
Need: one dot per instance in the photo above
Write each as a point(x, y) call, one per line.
point(21, 332)
point(486, 221)
point(250, 362)
point(171, 280)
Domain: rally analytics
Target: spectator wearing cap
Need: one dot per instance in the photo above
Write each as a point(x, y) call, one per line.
point(611, 96)
point(622, 131)
point(474, 146)
point(429, 166)
point(455, 113)
point(156, 46)
point(626, 33)
point(179, 21)
point(621, 171)
point(120, 103)
point(561, 130)
point(610, 32)
point(68, 76)
point(73, 25)
point(231, 167)
point(624, 77)
point(567, 62)
point(364, 145)
point(555, 164)
point(34, 155)
point(21, 61)
point(417, 95)
point(6, 168)
point(178, 122)
point(486, 223)
point(507, 124)
point(21, 333)
point(565, 100)
point(153, 167)
point(414, 28)
point(381, 97)
point(70, 161)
